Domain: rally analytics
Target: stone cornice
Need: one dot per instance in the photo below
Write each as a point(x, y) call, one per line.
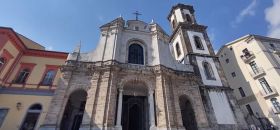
point(187, 26)
point(216, 88)
point(90, 67)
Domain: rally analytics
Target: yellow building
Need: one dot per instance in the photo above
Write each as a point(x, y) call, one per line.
point(28, 78)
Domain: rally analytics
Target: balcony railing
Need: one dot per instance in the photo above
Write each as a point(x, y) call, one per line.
point(268, 94)
point(247, 56)
point(273, 111)
point(257, 72)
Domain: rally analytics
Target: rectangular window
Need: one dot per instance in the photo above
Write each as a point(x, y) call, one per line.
point(233, 74)
point(249, 109)
point(3, 114)
point(254, 67)
point(267, 89)
point(242, 93)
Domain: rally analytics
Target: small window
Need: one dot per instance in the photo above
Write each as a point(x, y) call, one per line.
point(188, 18)
point(222, 55)
point(3, 114)
point(242, 93)
point(178, 50)
point(230, 48)
point(254, 67)
point(208, 71)
point(136, 28)
point(22, 76)
point(233, 74)
point(198, 43)
point(49, 77)
point(249, 109)
point(275, 104)
point(272, 45)
point(173, 24)
point(227, 61)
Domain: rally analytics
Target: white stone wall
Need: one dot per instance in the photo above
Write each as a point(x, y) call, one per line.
point(222, 110)
point(191, 34)
point(217, 81)
point(179, 16)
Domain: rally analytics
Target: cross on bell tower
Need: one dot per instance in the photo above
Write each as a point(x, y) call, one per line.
point(136, 13)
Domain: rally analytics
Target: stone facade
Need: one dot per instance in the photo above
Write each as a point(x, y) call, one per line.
point(162, 81)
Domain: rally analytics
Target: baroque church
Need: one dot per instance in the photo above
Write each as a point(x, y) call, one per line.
point(141, 78)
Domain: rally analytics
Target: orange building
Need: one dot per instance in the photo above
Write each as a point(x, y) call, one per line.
point(28, 77)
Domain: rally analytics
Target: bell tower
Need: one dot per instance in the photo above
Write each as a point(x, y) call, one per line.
point(190, 44)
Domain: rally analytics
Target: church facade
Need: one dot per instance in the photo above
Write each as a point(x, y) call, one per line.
point(140, 78)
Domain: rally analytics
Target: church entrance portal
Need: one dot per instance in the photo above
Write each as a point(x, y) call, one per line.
point(74, 110)
point(135, 113)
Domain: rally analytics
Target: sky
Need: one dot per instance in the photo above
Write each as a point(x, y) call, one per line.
point(60, 25)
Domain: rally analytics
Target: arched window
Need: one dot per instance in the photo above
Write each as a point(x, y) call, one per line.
point(188, 18)
point(2, 62)
point(48, 77)
point(135, 54)
point(22, 76)
point(173, 24)
point(31, 117)
point(275, 104)
point(178, 50)
point(198, 43)
point(208, 71)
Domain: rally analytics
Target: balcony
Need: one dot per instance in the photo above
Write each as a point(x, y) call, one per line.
point(269, 94)
point(257, 73)
point(247, 57)
point(272, 111)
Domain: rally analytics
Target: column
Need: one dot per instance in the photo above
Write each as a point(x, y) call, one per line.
point(119, 112)
point(151, 109)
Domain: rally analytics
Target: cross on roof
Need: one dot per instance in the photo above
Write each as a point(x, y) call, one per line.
point(137, 14)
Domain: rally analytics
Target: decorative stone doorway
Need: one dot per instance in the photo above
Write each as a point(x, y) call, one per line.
point(74, 110)
point(135, 113)
point(135, 109)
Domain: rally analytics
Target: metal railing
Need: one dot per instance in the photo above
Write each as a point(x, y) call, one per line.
point(271, 91)
point(247, 56)
point(257, 72)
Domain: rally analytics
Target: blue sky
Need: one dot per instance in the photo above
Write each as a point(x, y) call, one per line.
point(60, 25)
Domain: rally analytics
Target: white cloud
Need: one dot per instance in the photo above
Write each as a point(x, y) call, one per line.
point(273, 18)
point(50, 48)
point(250, 10)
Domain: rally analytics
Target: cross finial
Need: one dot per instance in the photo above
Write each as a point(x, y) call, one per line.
point(137, 14)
